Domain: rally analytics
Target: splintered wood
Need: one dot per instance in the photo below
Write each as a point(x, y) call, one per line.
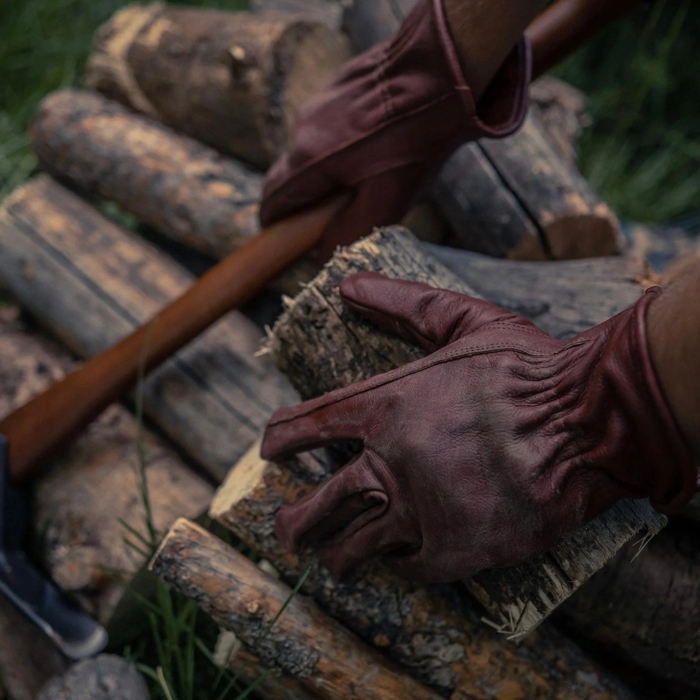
point(303, 641)
point(321, 345)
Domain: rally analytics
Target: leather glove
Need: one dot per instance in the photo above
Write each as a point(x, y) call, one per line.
point(488, 450)
point(389, 119)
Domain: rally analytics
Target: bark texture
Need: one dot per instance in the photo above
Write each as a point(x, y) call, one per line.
point(303, 641)
point(320, 346)
point(214, 397)
point(183, 189)
point(643, 613)
point(516, 197)
point(437, 633)
point(328, 12)
point(246, 74)
point(88, 509)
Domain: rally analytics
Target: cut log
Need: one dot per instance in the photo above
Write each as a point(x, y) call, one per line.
point(514, 198)
point(183, 189)
point(643, 614)
point(106, 677)
point(436, 633)
point(214, 397)
point(88, 508)
point(321, 345)
point(328, 12)
point(186, 191)
point(303, 641)
point(246, 74)
point(232, 655)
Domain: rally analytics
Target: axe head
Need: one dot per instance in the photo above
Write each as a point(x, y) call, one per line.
point(76, 634)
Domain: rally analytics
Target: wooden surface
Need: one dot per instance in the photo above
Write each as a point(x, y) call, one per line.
point(304, 642)
point(321, 345)
point(182, 188)
point(88, 506)
point(247, 74)
point(643, 613)
point(437, 633)
point(214, 397)
point(515, 197)
point(105, 677)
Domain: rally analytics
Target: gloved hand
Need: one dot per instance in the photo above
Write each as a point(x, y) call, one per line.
point(490, 449)
point(388, 120)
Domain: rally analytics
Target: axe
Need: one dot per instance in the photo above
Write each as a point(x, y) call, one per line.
point(37, 430)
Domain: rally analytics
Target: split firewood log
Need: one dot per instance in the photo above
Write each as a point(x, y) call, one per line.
point(642, 613)
point(214, 397)
point(88, 508)
point(233, 80)
point(321, 345)
point(302, 640)
point(515, 197)
point(437, 633)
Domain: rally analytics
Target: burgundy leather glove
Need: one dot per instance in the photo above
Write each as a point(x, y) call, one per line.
point(389, 119)
point(487, 451)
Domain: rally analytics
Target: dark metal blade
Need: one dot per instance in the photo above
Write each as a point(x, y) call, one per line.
point(76, 634)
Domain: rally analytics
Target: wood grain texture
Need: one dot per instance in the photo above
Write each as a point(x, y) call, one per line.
point(643, 613)
point(185, 190)
point(214, 397)
point(515, 197)
point(436, 633)
point(88, 508)
point(246, 74)
point(321, 345)
point(304, 642)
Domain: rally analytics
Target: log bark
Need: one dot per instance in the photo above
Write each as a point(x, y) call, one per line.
point(248, 668)
point(186, 191)
point(436, 633)
point(320, 346)
point(181, 188)
point(246, 74)
point(643, 614)
point(106, 677)
point(303, 641)
point(214, 397)
point(515, 198)
point(88, 508)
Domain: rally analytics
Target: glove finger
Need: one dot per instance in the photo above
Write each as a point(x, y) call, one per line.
point(334, 417)
point(345, 503)
point(415, 311)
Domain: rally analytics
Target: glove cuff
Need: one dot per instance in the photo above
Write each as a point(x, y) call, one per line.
point(674, 478)
point(503, 108)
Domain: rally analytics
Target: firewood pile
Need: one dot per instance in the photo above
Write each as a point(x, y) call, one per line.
point(182, 112)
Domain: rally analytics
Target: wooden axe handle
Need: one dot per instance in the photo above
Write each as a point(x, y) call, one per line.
point(567, 24)
point(49, 421)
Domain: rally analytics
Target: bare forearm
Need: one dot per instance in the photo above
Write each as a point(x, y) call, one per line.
point(485, 31)
point(674, 340)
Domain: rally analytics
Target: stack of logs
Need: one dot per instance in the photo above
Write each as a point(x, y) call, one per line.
point(185, 109)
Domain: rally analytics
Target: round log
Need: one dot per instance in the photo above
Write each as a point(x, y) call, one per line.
point(246, 74)
point(302, 641)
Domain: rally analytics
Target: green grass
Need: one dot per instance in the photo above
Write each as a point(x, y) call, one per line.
point(642, 151)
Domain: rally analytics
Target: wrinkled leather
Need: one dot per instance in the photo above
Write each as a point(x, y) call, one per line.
point(390, 118)
point(488, 450)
